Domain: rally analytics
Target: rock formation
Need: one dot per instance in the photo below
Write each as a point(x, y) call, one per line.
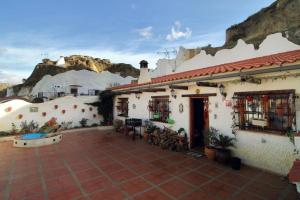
point(78, 62)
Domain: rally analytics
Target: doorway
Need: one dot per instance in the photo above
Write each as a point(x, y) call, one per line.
point(199, 121)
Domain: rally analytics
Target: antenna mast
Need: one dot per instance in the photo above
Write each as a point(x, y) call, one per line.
point(167, 53)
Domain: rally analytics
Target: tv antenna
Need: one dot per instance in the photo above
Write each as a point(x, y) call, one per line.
point(168, 53)
point(44, 55)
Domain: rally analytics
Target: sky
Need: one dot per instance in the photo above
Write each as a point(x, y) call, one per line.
point(120, 30)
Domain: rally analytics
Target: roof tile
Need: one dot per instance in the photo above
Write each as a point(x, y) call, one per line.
point(275, 59)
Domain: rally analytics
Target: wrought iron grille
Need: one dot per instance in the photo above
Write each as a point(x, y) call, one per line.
point(159, 109)
point(267, 111)
point(122, 107)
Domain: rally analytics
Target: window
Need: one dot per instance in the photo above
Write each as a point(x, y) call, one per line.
point(122, 107)
point(265, 110)
point(159, 109)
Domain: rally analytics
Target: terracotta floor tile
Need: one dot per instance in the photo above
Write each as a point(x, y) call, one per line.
point(70, 193)
point(143, 169)
point(95, 184)
point(122, 175)
point(263, 190)
point(57, 172)
point(234, 179)
point(195, 178)
point(158, 176)
point(210, 170)
point(176, 188)
point(199, 195)
point(88, 174)
point(135, 186)
point(26, 191)
point(112, 168)
point(121, 161)
point(110, 193)
point(246, 196)
point(153, 194)
point(219, 189)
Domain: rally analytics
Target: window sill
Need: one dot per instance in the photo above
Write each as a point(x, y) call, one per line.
point(264, 132)
point(154, 120)
point(122, 115)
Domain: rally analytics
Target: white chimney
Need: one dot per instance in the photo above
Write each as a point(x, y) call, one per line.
point(144, 72)
point(61, 62)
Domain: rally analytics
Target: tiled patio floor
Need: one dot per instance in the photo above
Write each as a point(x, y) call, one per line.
point(106, 165)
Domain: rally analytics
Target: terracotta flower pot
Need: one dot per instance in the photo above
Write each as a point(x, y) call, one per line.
point(223, 155)
point(210, 152)
point(146, 137)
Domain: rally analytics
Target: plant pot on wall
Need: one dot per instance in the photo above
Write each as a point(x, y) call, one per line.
point(8, 109)
point(223, 155)
point(210, 152)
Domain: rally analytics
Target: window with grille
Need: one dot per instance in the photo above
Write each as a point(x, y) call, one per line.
point(122, 107)
point(272, 111)
point(159, 109)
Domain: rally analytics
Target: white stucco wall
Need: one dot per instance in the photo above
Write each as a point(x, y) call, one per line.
point(88, 80)
point(64, 103)
point(273, 44)
point(267, 151)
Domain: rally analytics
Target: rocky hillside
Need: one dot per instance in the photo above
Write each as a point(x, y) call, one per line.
point(3, 86)
point(78, 62)
point(281, 16)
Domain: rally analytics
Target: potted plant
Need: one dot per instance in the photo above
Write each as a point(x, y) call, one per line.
point(149, 129)
point(209, 149)
point(181, 132)
point(222, 144)
point(118, 124)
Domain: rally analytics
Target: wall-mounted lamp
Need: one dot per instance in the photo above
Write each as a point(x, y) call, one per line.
point(138, 95)
point(222, 90)
point(173, 94)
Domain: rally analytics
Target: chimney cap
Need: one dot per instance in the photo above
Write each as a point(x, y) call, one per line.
point(144, 64)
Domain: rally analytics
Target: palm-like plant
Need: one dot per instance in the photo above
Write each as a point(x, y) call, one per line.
point(209, 136)
point(223, 141)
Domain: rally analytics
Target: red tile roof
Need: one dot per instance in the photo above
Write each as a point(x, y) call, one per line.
point(294, 174)
point(275, 59)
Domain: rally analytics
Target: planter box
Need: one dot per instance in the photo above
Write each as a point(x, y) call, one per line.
point(259, 122)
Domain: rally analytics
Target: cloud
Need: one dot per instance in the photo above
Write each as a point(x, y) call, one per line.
point(145, 32)
point(10, 78)
point(177, 33)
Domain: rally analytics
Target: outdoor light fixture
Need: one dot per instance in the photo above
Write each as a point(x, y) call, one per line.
point(222, 90)
point(138, 95)
point(173, 94)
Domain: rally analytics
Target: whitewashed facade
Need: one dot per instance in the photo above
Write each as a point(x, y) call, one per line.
point(262, 149)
